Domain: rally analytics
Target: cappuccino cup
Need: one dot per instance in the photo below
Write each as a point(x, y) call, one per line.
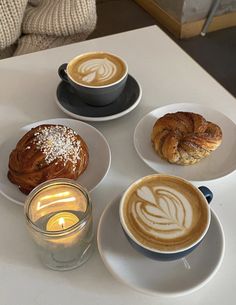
point(165, 217)
point(97, 77)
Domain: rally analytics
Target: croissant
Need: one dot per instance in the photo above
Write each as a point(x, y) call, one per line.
point(185, 138)
point(47, 152)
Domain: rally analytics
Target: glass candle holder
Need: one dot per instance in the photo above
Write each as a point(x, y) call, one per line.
point(59, 218)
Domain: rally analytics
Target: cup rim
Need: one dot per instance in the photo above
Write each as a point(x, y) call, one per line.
point(97, 87)
point(44, 185)
point(132, 237)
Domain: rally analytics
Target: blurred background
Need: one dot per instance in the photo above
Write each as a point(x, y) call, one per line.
point(183, 21)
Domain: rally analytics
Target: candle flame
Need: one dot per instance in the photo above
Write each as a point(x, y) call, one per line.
point(61, 222)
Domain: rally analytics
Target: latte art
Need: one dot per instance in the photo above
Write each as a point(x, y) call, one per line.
point(164, 213)
point(167, 215)
point(97, 69)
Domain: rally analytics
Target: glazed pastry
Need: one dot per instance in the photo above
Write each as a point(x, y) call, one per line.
point(184, 137)
point(47, 152)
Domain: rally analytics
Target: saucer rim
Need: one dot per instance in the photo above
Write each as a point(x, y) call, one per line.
point(159, 293)
point(102, 118)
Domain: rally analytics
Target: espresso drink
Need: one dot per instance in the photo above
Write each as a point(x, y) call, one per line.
point(165, 213)
point(96, 69)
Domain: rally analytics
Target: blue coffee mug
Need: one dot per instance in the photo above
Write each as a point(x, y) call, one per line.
point(94, 95)
point(166, 255)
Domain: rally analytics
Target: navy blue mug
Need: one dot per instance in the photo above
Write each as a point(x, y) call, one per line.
point(101, 95)
point(166, 255)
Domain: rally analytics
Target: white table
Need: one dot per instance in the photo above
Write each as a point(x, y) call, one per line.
point(167, 75)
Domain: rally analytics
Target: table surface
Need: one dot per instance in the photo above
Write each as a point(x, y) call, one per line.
point(167, 75)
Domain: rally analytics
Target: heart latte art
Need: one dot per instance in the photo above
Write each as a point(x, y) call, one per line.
point(97, 69)
point(165, 213)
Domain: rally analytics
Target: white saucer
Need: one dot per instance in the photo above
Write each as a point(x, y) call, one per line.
point(155, 277)
point(219, 163)
point(99, 156)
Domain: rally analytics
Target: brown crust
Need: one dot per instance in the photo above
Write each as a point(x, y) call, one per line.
point(27, 167)
point(184, 137)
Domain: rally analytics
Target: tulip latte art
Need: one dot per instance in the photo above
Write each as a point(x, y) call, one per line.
point(165, 213)
point(97, 69)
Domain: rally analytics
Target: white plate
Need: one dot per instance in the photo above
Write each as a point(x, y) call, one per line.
point(99, 157)
point(219, 163)
point(152, 276)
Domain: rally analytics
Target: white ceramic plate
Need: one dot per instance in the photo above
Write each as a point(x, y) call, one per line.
point(99, 157)
point(151, 276)
point(219, 163)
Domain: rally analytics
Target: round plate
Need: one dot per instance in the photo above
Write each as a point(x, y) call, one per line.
point(68, 101)
point(99, 157)
point(155, 277)
point(219, 163)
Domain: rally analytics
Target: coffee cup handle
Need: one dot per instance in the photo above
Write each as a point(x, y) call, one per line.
point(207, 193)
point(62, 72)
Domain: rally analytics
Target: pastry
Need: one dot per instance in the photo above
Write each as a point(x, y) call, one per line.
point(184, 137)
point(47, 152)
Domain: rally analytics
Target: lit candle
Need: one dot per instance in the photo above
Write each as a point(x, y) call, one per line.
point(61, 221)
point(59, 218)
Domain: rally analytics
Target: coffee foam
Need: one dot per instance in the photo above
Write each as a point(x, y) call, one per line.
point(165, 213)
point(96, 69)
